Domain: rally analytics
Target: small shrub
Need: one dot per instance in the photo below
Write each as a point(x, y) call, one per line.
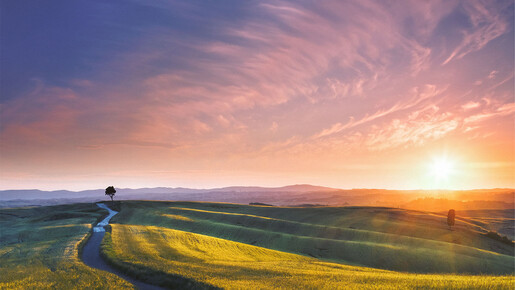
point(502, 239)
point(260, 203)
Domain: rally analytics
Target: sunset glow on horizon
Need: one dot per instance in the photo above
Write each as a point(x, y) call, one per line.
point(204, 94)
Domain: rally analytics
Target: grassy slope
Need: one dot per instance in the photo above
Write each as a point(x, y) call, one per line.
point(38, 249)
point(501, 221)
point(381, 238)
point(38, 246)
point(234, 265)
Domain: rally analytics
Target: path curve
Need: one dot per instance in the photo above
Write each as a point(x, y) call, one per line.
point(91, 252)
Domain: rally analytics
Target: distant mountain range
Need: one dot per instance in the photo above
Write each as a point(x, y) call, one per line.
point(301, 194)
point(40, 194)
point(35, 197)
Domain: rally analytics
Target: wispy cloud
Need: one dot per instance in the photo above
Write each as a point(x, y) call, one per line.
point(503, 110)
point(470, 105)
point(487, 24)
point(418, 95)
point(411, 133)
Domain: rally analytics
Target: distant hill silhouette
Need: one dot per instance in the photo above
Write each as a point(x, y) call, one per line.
point(441, 204)
point(426, 200)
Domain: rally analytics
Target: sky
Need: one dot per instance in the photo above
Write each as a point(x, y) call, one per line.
point(203, 94)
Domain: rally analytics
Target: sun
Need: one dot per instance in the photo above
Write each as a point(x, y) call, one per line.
point(442, 168)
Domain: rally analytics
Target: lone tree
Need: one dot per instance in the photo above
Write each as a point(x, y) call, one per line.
point(450, 218)
point(110, 191)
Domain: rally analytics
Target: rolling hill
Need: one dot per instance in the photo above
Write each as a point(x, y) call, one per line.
point(387, 238)
point(240, 246)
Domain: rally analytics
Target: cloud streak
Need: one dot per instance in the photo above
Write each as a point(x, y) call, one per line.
point(487, 24)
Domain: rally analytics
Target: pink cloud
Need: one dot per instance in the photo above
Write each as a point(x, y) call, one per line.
point(470, 105)
point(412, 133)
point(274, 127)
point(492, 74)
point(41, 117)
point(414, 129)
point(335, 128)
point(418, 95)
point(503, 110)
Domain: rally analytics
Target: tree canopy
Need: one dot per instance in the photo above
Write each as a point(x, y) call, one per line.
point(110, 191)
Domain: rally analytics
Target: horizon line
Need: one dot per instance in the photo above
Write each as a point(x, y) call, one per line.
point(267, 187)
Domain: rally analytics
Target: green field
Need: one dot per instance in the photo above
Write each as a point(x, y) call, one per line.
point(39, 249)
point(500, 221)
point(234, 265)
point(392, 239)
point(239, 246)
point(229, 245)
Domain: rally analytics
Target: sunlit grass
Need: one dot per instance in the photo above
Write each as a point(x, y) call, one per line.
point(177, 217)
point(39, 249)
point(221, 212)
point(234, 265)
point(381, 238)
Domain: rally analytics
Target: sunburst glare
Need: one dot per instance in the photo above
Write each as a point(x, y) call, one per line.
point(442, 169)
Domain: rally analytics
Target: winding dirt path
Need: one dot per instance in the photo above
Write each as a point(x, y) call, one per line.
point(91, 252)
